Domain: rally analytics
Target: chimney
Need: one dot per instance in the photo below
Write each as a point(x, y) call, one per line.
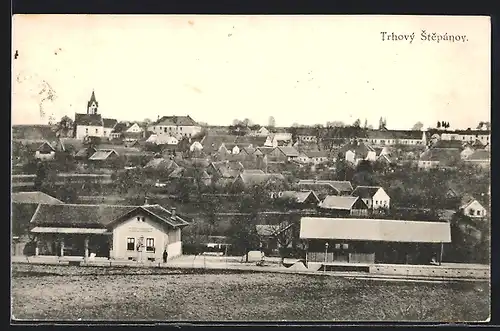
point(173, 211)
point(146, 201)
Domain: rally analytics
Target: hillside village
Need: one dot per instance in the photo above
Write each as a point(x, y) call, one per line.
point(240, 187)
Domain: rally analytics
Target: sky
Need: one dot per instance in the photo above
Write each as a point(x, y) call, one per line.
point(299, 69)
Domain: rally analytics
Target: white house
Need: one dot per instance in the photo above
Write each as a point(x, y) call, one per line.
point(262, 132)
point(278, 139)
point(317, 157)
point(472, 208)
point(162, 140)
point(484, 136)
point(140, 233)
point(177, 126)
point(395, 137)
point(196, 147)
point(375, 197)
point(91, 124)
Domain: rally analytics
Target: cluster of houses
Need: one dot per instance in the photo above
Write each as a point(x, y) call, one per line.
point(260, 157)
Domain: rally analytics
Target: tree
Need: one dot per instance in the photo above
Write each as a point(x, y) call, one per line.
point(64, 126)
point(438, 124)
point(283, 234)
point(366, 124)
point(247, 122)
point(357, 123)
point(335, 124)
point(418, 126)
point(272, 122)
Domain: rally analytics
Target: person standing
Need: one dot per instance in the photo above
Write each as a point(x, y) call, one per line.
point(165, 256)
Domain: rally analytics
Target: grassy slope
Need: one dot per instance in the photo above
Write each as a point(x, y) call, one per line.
point(162, 294)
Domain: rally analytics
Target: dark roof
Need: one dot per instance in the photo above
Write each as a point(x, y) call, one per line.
point(103, 154)
point(212, 143)
point(298, 196)
point(359, 148)
point(340, 186)
point(255, 141)
point(85, 152)
point(365, 192)
point(89, 119)
point(394, 134)
point(265, 150)
point(442, 155)
point(161, 164)
point(448, 144)
point(338, 202)
point(78, 215)
point(101, 216)
point(109, 123)
point(176, 121)
point(288, 151)
point(34, 198)
point(259, 179)
point(120, 127)
point(92, 99)
point(470, 132)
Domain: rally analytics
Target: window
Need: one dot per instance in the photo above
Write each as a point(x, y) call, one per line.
point(180, 128)
point(150, 244)
point(165, 129)
point(87, 130)
point(471, 211)
point(141, 219)
point(96, 131)
point(478, 213)
point(345, 246)
point(130, 244)
point(337, 246)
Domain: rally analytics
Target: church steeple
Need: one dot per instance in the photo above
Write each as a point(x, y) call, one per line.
point(92, 105)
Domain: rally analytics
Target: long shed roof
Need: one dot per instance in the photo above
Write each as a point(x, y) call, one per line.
point(374, 230)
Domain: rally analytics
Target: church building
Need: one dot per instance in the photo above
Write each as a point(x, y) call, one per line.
point(91, 123)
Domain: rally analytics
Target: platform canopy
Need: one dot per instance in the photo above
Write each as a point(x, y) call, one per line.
point(40, 229)
point(360, 229)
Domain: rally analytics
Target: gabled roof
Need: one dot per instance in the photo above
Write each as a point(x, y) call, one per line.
point(85, 152)
point(339, 186)
point(46, 147)
point(109, 123)
point(34, 198)
point(120, 127)
point(359, 148)
point(298, 196)
point(365, 192)
point(176, 121)
point(442, 155)
point(374, 230)
point(466, 201)
point(338, 202)
point(265, 150)
point(89, 119)
point(212, 143)
point(102, 154)
point(99, 216)
point(258, 179)
point(248, 150)
point(161, 164)
point(288, 151)
point(479, 155)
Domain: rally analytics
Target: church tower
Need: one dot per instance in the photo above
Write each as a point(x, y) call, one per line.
point(92, 105)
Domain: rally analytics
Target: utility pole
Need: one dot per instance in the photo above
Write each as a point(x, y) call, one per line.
point(326, 254)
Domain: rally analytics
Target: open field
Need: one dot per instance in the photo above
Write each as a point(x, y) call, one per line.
point(99, 293)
